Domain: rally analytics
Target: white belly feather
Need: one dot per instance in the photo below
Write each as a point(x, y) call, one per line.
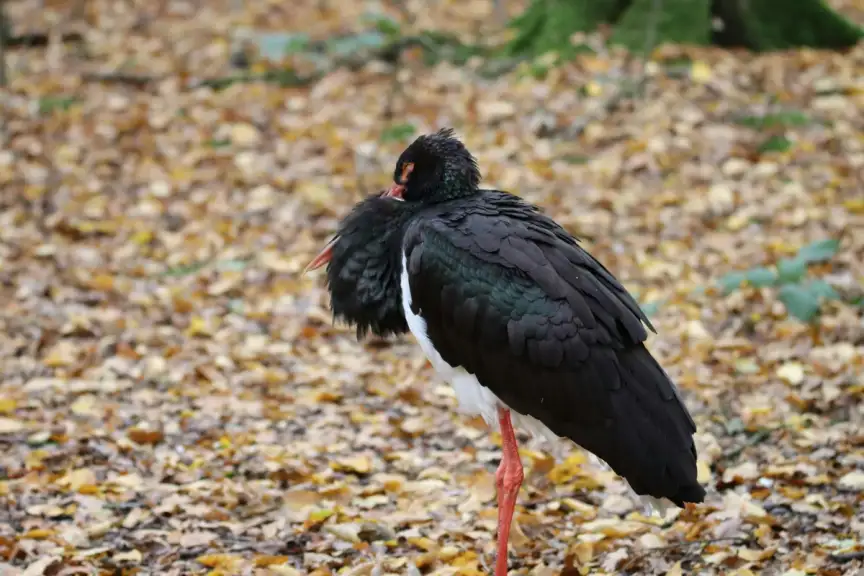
point(474, 398)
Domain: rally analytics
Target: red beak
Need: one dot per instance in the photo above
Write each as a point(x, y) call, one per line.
point(326, 254)
point(395, 191)
point(323, 257)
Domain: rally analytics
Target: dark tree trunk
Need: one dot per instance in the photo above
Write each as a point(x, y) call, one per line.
point(547, 25)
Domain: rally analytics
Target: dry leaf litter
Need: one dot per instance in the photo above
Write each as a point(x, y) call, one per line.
point(175, 399)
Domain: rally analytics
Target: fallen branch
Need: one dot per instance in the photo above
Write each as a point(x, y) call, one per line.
point(390, 52)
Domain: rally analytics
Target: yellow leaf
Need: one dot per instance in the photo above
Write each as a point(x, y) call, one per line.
point(329, 397)
point(737, 221)
point(245, 135)
point(614, 527)
point(198, 327)
point(75, 479)
point(318, 516)
point(855, 206)
point(7, 405)
point(357, 464)
point(585, 510)
point(585, 483)
point(423, 543)
point(266, 560)
point(225, 561)
point(133, 556)
point(700, 72)
point(101, 282)
point(593, 89)
point(38, 534)
point(568, 469)
point(470, 571)
point(142, 237)
point(583, 551)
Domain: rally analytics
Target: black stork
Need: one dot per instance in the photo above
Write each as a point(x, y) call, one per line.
point(525, 324)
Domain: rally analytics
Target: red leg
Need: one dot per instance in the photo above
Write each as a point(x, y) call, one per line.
point(508, 479)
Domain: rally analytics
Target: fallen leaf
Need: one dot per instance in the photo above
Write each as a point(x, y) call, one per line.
point(76, 479)
point(132, 556)
point(10, 426)
point(568, 469)
point(245, 135)
point(222, 561)
point(853, 480)
point(791, 372)
point(192, 539)
point(145, 436)
point(356, 464)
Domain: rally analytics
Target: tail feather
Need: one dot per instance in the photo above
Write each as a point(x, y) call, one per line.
point(655, 449)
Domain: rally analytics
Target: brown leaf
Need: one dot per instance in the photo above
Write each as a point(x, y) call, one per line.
point(146, 436)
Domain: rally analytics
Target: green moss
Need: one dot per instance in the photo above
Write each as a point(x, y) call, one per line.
point(783, 24)
point(679, 22)
point(546, 25)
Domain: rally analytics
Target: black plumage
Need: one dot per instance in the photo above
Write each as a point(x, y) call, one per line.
point(511, 297)
point(503, 293)
point(365, 266)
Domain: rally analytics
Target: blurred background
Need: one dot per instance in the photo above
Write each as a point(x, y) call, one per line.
point(175, 398)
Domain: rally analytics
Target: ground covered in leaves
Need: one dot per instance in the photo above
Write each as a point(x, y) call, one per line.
point(175, 399)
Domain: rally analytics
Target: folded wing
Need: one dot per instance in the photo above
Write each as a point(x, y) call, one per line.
point(509, 296)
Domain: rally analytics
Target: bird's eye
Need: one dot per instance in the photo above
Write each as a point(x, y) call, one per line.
point(407, 168)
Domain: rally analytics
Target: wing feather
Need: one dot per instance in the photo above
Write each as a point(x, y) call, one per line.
point(512, 298)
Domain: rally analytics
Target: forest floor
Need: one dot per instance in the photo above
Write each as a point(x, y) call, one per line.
point(175, 398)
